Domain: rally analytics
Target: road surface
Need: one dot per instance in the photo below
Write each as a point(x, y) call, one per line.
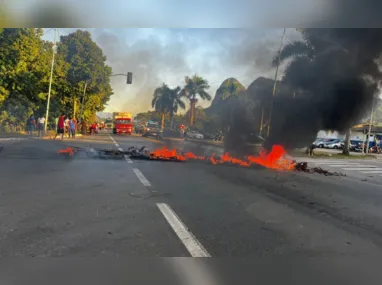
point(261, 224)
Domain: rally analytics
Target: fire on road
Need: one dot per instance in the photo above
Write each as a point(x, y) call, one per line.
point(275, 159)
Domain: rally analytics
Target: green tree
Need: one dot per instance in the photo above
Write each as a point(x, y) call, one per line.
point(87, 63)
point(175, 101)
point(161, 101)
point(23, 74)
point(195, 86)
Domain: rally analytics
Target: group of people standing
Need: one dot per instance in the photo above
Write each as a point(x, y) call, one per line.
point(63, 125)
point(33, 124)
point(67, 125)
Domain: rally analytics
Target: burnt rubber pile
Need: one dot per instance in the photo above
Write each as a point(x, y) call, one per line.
point(303, 167)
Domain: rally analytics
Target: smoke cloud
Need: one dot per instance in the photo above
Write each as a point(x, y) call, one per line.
point(168, 55)
point(339, 83)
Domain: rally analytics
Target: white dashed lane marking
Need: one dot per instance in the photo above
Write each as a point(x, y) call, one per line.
point(194, 247)
point(141, 177)
point(127, 158)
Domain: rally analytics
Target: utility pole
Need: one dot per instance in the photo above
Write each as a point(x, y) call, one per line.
point(274, 84)
point(369, 132)
point(82, 102)
point(50, 81)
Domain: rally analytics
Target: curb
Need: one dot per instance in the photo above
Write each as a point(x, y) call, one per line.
point(205, 142)
point(14, 139)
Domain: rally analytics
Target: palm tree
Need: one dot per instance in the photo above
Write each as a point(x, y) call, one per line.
point(195, 86)
point(161, 101)
point(303, 54)
point(175, 101)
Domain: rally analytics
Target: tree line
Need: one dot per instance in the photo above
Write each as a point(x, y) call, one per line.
point(25, 60)
point(167, 101)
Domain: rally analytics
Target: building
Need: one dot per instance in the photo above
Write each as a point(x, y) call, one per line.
point(358, 132)
point(361, 130)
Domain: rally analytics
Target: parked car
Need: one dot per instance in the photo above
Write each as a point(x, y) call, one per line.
point(355, 145)
point(334, 144)
point(320, 142)
point(194, 135)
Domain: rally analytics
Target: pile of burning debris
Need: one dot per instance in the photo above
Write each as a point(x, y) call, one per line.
point(275, 159)
point(303, 167)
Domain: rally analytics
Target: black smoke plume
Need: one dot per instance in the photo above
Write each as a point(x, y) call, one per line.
point(336, 75)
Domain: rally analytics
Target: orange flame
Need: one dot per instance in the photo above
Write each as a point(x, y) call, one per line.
point(66, 150)
point(275, 159)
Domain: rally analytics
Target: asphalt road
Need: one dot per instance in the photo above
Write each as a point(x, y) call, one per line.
point(256, 224)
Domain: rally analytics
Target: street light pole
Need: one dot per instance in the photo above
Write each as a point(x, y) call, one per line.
point(274, 84)
point(129, 81)
point(82, 102)
point(50, 81)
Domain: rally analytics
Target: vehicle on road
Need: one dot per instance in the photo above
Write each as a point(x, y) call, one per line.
point(334, 144)
point(122, 123)
point(109, 124)
point(152, 129)
point(139, 127)
point(123, 126)
point(194, 135)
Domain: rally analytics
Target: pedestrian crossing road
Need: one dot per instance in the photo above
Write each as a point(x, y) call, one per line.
point(350, 167)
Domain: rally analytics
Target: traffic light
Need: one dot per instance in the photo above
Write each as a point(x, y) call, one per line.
point(129, 78)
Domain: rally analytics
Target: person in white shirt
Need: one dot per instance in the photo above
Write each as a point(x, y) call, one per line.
point(67, 127)
point(41, 126)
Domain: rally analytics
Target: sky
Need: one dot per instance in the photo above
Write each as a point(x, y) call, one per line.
point(157, 56)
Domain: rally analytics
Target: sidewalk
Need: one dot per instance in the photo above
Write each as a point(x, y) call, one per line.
point(50, 137)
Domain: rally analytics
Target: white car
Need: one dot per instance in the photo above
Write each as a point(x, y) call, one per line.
point(194, 135)
point(336, 144)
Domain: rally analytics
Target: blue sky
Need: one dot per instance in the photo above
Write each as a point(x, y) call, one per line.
point(168, 55)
